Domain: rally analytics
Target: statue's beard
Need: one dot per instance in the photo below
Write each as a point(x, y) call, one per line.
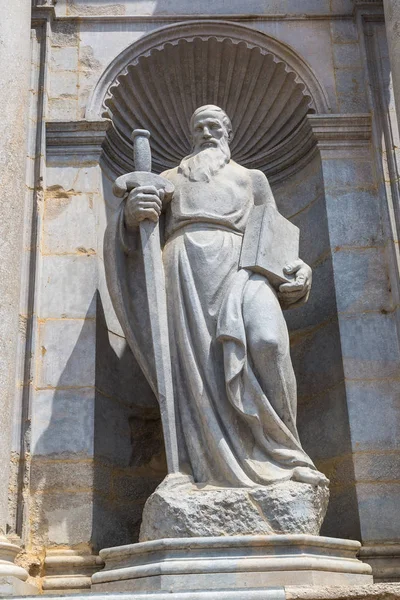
point(206, 163)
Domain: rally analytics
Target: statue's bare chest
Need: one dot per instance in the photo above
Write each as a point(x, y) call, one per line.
point(222, 196)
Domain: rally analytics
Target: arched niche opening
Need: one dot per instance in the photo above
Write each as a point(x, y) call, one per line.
point(157, 83)
point(268, 91)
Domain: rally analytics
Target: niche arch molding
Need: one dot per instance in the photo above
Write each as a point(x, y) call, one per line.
point(264, 85)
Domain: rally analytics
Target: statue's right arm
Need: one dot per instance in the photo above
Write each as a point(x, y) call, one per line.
point(262, 192)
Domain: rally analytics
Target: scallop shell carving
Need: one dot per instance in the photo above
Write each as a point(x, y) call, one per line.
point(159, 91)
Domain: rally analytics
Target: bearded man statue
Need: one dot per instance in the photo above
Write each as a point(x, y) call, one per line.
point(241, 460)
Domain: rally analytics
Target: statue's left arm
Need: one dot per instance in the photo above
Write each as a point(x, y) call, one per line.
point(296, 292)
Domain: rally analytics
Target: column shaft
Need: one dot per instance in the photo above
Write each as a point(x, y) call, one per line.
point(15, 67)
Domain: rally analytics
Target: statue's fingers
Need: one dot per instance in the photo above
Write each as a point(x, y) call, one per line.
point(143, 199)
point(293, 267)
point(150, 205)
point(148, 213)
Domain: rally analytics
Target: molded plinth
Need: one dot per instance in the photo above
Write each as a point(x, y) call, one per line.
point(223, 563)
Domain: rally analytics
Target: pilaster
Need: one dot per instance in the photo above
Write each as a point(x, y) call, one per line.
point(367, 318)
point(15, 59)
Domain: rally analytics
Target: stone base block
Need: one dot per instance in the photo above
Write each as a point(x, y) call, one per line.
point(384, 560)
point(11, 586)
point(230, 563)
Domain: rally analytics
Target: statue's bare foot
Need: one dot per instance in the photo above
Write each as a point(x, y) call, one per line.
point(307, 475)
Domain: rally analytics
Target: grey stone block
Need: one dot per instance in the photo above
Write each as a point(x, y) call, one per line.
point(350, 173)
point(374, 415)
point(314, 233)
point(350, 86)
point(373, 467)
point(63, 422)
point(118, 374)
point(344, 31)
point(354, 218)
point(75, 217)
point(63, 84)
point(295, 193)
point(60, 474)
point(63, 109)
point(370, 346)
point(64, 34)
point(323, 424)
point(379, 511)
point(112, 431)
point(317, 360)
point(342, 517)
point(362, 280)
point(130, 488)
point(67, 353)
point(346, 55)
point(114, 524)
point(74, 179)
point(342, 7)
point(68, 286)
point(321, 304)
point(66, 518)
point(64, 59)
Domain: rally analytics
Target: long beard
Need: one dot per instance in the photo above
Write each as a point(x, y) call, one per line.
point(203, 165)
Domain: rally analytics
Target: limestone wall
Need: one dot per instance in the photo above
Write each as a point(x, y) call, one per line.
point(95, 445)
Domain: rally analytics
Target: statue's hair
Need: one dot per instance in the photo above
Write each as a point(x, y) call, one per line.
point(212, 108)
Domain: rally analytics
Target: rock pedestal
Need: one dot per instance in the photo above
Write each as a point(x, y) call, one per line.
point(236, 562)
point(187, 510)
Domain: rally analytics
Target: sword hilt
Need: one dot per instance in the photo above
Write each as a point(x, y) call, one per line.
point(141, 150)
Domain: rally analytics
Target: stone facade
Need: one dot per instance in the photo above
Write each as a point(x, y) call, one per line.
point(81, 424)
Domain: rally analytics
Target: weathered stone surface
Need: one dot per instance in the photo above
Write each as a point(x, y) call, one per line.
point(189, 511)
point(222, 563)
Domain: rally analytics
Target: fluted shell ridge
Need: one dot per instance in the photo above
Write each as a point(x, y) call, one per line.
point(159, 90)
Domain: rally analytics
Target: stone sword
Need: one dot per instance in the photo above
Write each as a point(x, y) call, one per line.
point(155, 288)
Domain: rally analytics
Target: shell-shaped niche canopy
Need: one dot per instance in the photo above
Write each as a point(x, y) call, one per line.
point(264, 87)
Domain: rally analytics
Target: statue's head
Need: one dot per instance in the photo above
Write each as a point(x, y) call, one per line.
point(209, 127)
point(211, 132)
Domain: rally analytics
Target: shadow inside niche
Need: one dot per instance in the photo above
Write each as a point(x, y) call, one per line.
point(101, 452)
point(129, 457)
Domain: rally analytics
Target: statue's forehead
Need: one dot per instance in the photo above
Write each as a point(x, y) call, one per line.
point(208, 114)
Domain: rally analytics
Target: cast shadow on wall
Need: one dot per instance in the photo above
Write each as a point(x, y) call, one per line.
point(101, 454)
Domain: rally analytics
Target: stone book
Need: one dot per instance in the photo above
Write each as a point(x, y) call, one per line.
point(270, 243)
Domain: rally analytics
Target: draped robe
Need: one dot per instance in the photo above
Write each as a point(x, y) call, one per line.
point(234, 386)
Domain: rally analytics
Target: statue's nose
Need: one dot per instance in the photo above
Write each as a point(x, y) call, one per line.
point(206, 133)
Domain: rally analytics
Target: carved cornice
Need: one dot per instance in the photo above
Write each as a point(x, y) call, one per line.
point(76, 138)
point(332, 131)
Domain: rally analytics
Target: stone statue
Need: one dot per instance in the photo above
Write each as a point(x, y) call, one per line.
point(234, 385)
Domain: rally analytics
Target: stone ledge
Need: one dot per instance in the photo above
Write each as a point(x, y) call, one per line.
point(389, 591)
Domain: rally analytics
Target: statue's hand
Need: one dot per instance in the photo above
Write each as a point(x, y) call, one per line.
point(297, 291)
point(144, 202)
